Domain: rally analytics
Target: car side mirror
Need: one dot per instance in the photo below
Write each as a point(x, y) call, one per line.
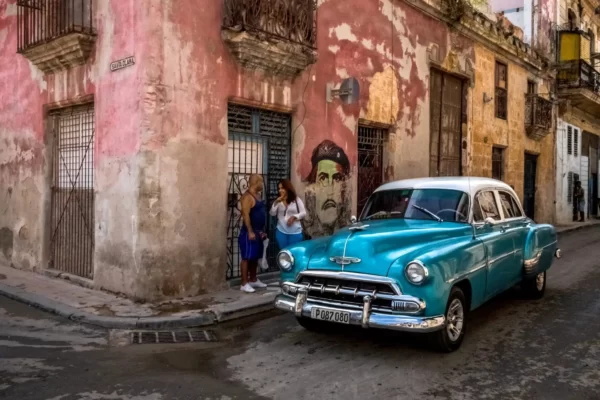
point(490, 221)
point(353, 219)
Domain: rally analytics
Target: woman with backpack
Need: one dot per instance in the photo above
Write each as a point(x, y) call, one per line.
point(290, 211)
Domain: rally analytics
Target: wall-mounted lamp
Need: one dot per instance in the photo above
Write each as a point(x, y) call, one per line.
point(486, 98)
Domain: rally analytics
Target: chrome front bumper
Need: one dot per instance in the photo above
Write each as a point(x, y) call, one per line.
point(301, 306)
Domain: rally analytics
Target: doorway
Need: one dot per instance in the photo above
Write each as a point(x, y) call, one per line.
point(446, 107)
point(593, 201)
point(259, 143)
point(73, 198)
point(572, 189)
point(530, 185)
point(370, 162)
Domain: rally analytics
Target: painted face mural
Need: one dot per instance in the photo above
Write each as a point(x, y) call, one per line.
point(328, 193)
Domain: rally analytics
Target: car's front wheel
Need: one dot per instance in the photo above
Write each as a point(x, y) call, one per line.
point(451, 336)
point(536, 287)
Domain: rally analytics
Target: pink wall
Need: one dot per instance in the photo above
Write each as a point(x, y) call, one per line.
point(27, 94)
point(161, 126)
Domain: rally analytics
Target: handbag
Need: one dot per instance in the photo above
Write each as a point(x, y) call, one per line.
point(305, 236)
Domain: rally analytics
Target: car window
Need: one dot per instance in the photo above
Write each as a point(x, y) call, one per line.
point(449, 205)
point(485, 207)
point(509, 206)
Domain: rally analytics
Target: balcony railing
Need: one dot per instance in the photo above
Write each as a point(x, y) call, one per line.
point(291, 20)
point(42, 21)
point(538, 116)
point(578, 74)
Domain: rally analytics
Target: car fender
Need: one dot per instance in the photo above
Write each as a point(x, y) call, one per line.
point(540, 246)
point(448, 263)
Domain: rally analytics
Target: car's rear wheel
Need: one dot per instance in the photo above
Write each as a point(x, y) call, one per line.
point(535, 288)
point(450, 337)
point(314, 325)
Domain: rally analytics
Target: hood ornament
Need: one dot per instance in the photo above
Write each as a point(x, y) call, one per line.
point(345, 260)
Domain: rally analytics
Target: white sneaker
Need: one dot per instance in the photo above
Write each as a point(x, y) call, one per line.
point(258, 284)
point(247, 288)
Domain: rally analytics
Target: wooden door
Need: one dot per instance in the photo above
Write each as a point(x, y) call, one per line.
point(446, 93)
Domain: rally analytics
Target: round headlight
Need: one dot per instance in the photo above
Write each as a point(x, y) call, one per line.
point(285, 260)
point(416, 273)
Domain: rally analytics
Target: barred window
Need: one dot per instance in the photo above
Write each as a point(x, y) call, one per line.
point(501, 90)
point(569, 140)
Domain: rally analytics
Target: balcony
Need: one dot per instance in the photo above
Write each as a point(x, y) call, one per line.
point(538, 117)
point(579, 82)
point(55, 34)
point(277, 37)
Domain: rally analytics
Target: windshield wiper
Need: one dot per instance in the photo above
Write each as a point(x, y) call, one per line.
point(383, 212)
point(426, 211)
point(377, 214)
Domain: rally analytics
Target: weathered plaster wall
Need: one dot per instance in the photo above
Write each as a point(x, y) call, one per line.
point(489, 131)
point(188, 78)
point(565, 163)
point(22, 152)
point(569, 115)
point(25, 159)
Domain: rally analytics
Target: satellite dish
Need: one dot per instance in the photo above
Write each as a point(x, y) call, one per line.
point(349, 91)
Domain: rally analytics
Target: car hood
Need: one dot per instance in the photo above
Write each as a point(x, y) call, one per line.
point(382, 242)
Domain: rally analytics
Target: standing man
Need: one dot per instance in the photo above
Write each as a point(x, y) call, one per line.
point(580, 200)
point(252, 233)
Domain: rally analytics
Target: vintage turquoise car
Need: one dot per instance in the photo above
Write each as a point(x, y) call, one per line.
point(423, 253)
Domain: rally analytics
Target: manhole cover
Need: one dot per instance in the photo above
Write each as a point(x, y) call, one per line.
point(148, 337)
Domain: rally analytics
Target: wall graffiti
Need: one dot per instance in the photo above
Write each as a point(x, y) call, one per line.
point(328, 193)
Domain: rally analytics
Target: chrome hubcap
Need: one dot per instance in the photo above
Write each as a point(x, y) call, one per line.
point(539, 281)
point(455, 319)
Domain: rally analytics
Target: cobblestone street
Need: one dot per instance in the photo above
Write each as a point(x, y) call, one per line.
point(515, 349)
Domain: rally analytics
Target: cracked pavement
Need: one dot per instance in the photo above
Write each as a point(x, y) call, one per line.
point(514, 349)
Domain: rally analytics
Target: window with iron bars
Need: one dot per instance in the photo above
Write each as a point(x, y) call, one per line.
point(41, 21)
point(501, 93)
point(498, 163)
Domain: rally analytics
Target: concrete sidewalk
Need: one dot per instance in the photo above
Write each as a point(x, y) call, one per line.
point(110, 311)
point(575, 226)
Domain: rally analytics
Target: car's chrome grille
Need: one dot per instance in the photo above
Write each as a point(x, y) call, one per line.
point(348, 291)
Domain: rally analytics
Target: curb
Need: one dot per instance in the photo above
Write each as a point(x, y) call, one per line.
point(577, 228)
point(144, 323)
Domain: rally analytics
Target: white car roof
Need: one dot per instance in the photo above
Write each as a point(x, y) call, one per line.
point(466, 184)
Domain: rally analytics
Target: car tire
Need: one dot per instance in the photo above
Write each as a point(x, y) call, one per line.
point(535, 288)
point(313, 325)
point(450, 337)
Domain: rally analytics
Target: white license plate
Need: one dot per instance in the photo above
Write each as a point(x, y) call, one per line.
point(322, 314)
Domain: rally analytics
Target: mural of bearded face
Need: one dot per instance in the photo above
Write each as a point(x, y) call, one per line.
point(327, 196)
point(330, 177)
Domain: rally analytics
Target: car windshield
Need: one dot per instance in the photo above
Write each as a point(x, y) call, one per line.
point(431, 204)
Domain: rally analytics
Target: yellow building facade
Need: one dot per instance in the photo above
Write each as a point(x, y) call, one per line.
point(502, 143)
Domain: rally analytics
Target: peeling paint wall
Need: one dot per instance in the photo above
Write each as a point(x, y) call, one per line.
point(161, 129)
point(189, 77)
point(26, 137)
